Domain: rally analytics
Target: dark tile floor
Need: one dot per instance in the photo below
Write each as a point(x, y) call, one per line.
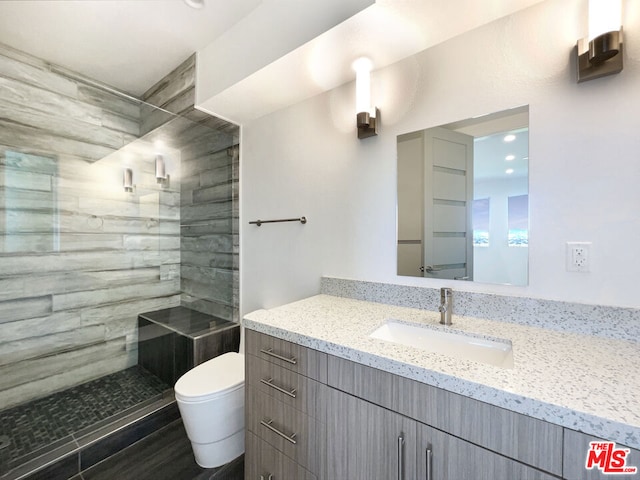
point(40, 423)
point(164, 455)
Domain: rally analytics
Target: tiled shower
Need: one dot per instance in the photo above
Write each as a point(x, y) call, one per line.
point(80, 257)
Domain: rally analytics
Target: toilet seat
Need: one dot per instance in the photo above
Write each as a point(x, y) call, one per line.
point(212, 379)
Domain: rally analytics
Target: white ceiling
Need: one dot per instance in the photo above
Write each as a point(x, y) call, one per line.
point(128, 44)
point(131, 44)
point(386, 32)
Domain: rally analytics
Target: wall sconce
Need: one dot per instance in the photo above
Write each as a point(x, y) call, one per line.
point(600, 54)
point(127, 181)
point(367, 117)
point(161, 174)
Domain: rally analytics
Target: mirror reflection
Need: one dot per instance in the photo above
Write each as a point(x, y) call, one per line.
point(463, 200)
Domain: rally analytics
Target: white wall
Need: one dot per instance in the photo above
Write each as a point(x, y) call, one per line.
point(273, 30)
point(584, 164)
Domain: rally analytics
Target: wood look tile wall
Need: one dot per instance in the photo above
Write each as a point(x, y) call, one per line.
point(208, 196)
point(79, 257)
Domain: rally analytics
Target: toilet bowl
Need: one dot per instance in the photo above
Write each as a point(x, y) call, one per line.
point(211, 402)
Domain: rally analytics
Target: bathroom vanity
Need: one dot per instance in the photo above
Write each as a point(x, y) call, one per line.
point(325, 400)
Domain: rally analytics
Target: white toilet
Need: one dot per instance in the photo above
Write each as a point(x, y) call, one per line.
point(211, 402)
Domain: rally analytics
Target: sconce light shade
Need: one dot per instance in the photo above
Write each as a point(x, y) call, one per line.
point(161, 174)
point(600, 54)
point(604, 16)
point(127, 181)
point(367, 117)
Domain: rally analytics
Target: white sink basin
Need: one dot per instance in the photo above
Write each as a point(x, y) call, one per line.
point(458, 345)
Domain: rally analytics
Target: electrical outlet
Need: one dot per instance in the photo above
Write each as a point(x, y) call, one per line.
point(578, 256)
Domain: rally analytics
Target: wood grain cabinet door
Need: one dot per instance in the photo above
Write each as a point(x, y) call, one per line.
point(576, 452)
point(441, 456)
point(367, 442)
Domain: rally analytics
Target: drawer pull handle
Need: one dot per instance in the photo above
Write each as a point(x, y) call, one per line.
point(270, 477)
point(268, 423)
point(270, 383)
point(429, 462)
point(401, 457)
point(269, 351)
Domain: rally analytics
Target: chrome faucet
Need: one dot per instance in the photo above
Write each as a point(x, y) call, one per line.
point(446, 305)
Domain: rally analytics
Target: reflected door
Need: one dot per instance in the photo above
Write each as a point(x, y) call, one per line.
point(410, 204)
point(448, 198)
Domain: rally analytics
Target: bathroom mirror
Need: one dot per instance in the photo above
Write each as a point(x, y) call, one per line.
point(463, 196)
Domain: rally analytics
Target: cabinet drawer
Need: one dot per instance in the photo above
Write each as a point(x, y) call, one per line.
point(306, 361)
point(294, 433)
point(293, 389)
point(263, 462)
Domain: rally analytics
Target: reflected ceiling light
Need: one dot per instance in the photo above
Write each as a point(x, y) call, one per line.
point(127, 180)
point(600, 54)
point(197, 4)
point(508, 158)
point(509, 138)
point(367, 117)
point(509, 171)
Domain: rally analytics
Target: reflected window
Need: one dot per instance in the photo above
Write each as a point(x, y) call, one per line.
point(518, 221)
point(481, 222)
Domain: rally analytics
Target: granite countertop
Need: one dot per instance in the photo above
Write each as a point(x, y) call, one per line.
point(586, 383)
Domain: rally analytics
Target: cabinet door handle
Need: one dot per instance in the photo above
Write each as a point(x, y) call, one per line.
point(270, 477)
point(270, 352)
point(267, 422)
point(269, 382)
point(429, 462)
point(401, 457)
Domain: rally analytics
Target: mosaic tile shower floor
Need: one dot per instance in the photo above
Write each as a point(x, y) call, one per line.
point(42, 422)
